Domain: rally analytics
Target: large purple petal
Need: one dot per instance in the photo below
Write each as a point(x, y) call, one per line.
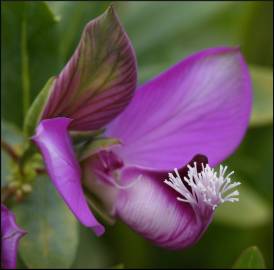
point(54, 142)
point(200, 105)
point(11, 233)
point(150, 207)
point(99, 79)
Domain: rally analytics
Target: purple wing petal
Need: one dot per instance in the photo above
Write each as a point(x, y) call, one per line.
point(99, 79)
point(150, 207)
point(10, 236)
point(200, 105)
point(54, 142)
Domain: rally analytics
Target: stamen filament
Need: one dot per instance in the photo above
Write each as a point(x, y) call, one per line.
point(207, 187)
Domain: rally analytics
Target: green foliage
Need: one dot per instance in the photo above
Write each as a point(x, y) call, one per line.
point(189, 28)
point(91, 252)
point(81, 12)
point(119, 266)
point(12, 135)
point(262, 79)
point(257, 33)
point(251, 258)
point(52, 236)
point(253, 160)
point(34, 113)
point(29, 41)
point(6, 163)
point(241, 214)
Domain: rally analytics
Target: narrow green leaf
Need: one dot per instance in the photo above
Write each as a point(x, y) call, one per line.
point(29, 55)
point(12, 136)
point(262, 79)
point(257, 33)
point(52, 236)
point(34, 113)
point(6, 163)
point(251, 258)
point(91, 252)
point(119, 266)
point(241, 214)
point(25, 67)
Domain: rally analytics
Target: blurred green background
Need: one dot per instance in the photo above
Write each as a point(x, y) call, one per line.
point(37, 40)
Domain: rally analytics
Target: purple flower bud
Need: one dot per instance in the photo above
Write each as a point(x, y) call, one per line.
point(99, 80)
point(11, 233)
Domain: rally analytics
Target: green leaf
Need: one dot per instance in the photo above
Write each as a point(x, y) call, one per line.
point(189, 28)
point(91, 252)
point(251, 258)
point(253, 160)
point(9, 134)
point(183, 17)
point(262, 79)
point(257, 33)
point(147, 72)
point(35, 111)
point(81, 12)
point(118, 266)
point(52, 236)
point(29, 55)
point(252, 210)
point(6, 164)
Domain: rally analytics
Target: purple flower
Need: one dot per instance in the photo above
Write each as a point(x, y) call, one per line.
point(99, 80)
point(190, 117)
point(200, 105)
point(93, 88)
point(11, 233)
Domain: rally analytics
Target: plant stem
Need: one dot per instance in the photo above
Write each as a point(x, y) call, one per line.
point(99, 211)
point(25, 68)
point(6, 193)
point(9, 149)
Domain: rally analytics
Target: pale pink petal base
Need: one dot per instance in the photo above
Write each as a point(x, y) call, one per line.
point(150, 207)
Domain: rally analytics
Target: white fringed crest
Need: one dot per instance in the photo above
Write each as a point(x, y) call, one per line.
point(206, 186)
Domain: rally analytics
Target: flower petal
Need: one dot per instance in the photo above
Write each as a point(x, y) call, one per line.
point(99, 79)
point(11, 233)
point(200, 105)
point(54, 142)
point(150, 207)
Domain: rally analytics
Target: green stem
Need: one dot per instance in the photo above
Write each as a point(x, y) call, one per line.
point(97, 209)
point(9, 150)
point(25, 68)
